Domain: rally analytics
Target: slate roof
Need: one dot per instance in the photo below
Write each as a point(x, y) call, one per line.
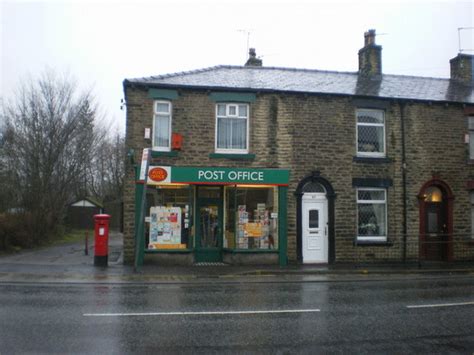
point(271, 79)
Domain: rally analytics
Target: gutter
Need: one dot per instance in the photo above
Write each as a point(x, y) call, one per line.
point(402, 106)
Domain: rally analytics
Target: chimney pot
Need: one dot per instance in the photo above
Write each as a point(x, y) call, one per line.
point(369, 37)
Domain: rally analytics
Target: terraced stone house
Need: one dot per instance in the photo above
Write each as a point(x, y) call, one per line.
point(255, 164)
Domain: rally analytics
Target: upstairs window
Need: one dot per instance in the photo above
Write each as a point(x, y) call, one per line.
point(471, 137)
point(370, 133)
point(162, 126)
point(232, 126)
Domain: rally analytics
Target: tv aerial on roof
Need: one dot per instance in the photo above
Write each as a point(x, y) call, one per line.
point(459, 38)
point(247, 32)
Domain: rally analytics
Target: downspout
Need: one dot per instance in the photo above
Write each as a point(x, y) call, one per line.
point(402, 106)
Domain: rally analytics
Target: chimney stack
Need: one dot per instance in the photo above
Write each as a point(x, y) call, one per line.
point(462, 68)
point(253, 61)
point(370, 56)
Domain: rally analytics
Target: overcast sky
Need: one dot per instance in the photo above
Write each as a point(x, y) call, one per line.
point(101, 43)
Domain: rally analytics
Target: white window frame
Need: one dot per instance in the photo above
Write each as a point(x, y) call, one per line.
point(470, 123)
point(371, 154)
point(374, 238)
point(228, 105)
point(155, 114)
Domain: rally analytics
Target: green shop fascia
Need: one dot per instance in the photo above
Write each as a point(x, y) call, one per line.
point(212, 212)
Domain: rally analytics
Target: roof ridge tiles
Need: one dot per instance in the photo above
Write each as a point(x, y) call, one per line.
point(347, 72)
point(180, 73)
point(415, 76)
point(302, 70)
point(293, 69)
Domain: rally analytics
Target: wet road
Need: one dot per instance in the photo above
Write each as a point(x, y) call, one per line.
point(404, 316)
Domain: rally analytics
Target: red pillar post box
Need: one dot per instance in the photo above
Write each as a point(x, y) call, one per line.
point(101, 239)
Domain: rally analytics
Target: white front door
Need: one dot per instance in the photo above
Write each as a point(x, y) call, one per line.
point(314, 228)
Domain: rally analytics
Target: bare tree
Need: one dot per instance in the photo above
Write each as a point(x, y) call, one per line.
point(107, 168)
point(49, 138)
point(6, 194)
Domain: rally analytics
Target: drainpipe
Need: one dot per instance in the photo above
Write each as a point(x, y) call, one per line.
point(402, 106)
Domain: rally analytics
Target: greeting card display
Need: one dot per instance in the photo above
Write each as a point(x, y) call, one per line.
point(165, 226)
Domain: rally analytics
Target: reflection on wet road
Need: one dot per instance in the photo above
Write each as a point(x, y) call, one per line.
point(362, 316)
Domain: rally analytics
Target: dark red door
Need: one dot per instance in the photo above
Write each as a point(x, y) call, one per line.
point(436, 233)
point(436, 221)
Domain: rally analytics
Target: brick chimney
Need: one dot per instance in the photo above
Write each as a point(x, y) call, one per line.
point(253, 61)
point(462, 68)
point(370, 56)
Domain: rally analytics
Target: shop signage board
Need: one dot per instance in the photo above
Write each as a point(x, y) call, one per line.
point(217, 175)
point(143, 167)
point(161, 174)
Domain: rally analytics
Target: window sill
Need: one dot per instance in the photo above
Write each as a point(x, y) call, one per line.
point(172, 251)
point(371, 160)
point(232, 156)
point(157, 153)
point(372, 243)
point(249, 251)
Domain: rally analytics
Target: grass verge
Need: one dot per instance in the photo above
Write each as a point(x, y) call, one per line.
point(73, 236)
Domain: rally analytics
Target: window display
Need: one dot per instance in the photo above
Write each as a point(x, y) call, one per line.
point(251, 218)
point(169, 218)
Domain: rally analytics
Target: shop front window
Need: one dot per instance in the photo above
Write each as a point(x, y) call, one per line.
point(169, 217)
point(251, 218)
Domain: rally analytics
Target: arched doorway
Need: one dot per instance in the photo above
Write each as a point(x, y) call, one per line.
point(436, 221)
point(315, 220)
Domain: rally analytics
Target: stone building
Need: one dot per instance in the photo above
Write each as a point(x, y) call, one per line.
point(255, 164)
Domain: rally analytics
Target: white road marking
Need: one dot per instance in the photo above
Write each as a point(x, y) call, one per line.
point(199, 313)
point(441, 305)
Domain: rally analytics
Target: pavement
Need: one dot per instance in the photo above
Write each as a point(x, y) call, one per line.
point(68, 263)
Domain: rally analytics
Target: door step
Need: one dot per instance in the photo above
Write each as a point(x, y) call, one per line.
point(205, 263)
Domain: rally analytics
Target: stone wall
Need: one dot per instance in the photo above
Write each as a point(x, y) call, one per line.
point(436, 149)
point(306, 133)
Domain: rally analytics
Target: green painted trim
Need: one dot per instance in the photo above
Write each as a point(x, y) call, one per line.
point(137, 176)
point(222, 176)
point(209, 254)
point(251, 251)
point(232, 156)
point(156, 154)
point(282, 225)
point(232, 96)
point(166, 94)
point(168, 251)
